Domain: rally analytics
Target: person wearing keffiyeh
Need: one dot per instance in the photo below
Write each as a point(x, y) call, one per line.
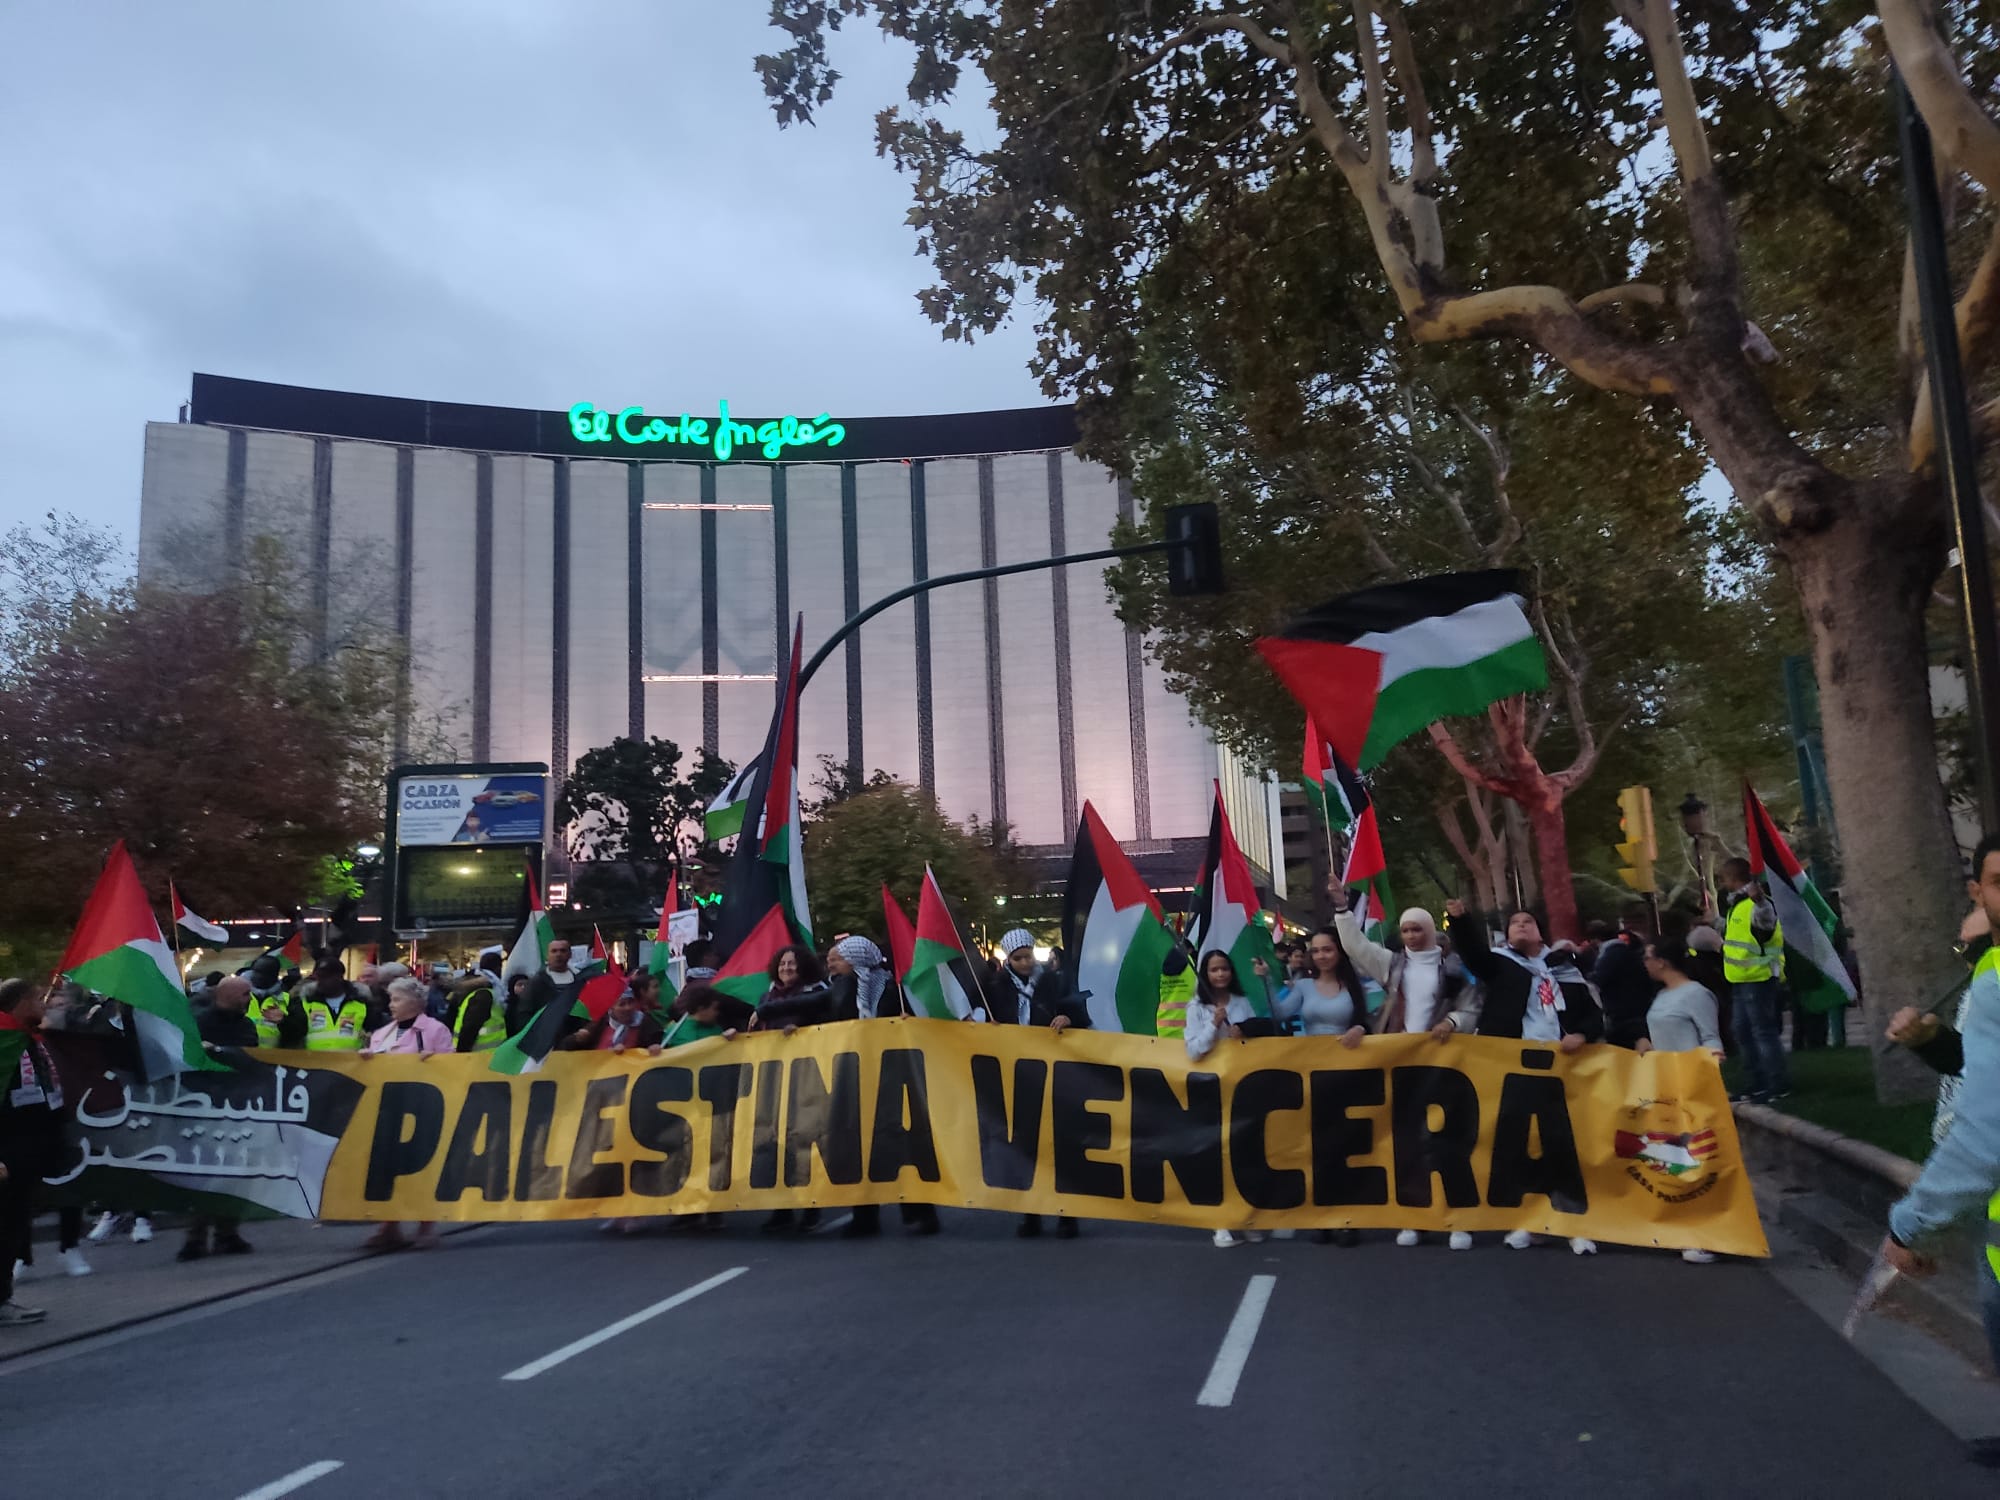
point(862, 992)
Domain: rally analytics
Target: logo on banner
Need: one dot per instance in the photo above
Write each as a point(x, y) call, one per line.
point(1666, 1150)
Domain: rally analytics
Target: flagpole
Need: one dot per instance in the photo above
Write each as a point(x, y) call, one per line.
point(174, 920)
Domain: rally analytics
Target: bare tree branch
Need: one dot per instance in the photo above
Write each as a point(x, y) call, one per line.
point(1643, 292)
point(1978, 321)
point(1375, 85)
point(1965, 133)
point(1454, 753)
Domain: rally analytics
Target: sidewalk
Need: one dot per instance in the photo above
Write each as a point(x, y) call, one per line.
point(131, 1283)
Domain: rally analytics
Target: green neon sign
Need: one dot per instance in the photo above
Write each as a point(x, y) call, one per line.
point(722, 437)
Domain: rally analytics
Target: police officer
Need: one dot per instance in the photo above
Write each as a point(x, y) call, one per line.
point(336, 1013)
point(1753, 961)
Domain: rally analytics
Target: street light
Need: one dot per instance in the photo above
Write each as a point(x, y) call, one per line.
point(368, 851)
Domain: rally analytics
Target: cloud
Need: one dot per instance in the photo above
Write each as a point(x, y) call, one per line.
point(519, 204)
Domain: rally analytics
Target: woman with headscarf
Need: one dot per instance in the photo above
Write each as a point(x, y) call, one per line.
point(862, 991)
point(1021, 992)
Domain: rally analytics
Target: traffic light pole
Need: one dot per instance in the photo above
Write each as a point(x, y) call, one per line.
point(925, 585)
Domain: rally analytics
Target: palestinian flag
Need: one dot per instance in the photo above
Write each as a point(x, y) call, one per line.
point(1227, 914)
point(599, 959)
point(13, 1042)
point(201, 927)
point(724, 817)
point(594, 996)
point(1374, 667)
point(1318, 768)
point(747, 973)
point(531, 949)
point(1351, 811)
point(783, 830)
point(1812, 968)
point(767, 865)
point(118, 951)
point(293, 949)
point(1114, 933)
point(940, 979)
point(659, 961)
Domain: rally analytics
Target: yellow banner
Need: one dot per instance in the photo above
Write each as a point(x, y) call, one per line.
point(1400, 1133)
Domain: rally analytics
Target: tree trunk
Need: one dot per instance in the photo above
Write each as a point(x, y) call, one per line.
point(1864, 581)
point(1545, 820)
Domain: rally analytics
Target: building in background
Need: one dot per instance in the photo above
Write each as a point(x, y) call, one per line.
point(564, 578)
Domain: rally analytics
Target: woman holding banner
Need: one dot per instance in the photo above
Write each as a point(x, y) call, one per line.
point(1217, 1013)
point(1329, 1001)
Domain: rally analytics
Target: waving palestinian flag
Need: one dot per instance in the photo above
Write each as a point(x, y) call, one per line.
point(1113, 932)
point(1374, 667)
point(724, 816)
point(747, 973)
point(1812, 968)
point(201, 927)
point(943, 980)
point(768, 863)
point(660, 960)
point(118, 951)
point(530, 953)
point(1228, 916)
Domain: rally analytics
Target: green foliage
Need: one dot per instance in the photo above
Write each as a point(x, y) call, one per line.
point(629, 800)
point(50, 572)
point(884, 834)
point(222, 736)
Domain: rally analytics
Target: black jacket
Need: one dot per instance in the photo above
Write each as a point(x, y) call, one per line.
point(226, 1028)
point(31, 1134)
point(1051, 997)
point(1508, 986)
point(541, 990)
point(1625, 987)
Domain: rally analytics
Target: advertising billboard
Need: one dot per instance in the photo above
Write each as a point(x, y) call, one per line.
point(433, 810)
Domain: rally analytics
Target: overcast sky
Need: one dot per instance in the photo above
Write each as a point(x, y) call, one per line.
point(515, 202)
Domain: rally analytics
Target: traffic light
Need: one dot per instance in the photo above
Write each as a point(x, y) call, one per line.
point(1194, 566)
point(1638, 849)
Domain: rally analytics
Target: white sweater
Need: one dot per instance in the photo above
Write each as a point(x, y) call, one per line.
point(1202, 1033)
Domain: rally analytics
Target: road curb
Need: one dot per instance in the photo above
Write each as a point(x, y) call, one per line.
point(1839, 1195)
point(140, 1319)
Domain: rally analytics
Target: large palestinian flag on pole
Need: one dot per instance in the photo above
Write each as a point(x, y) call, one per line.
point(1374, 667)
point(118, 951)
point(767, 864)
point(1114, 933)
point(1227, 914)
point(1812, 968)
point(942, 980)
point(724, 816)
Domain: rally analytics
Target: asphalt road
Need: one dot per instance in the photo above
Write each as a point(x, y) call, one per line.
point(976, 1364)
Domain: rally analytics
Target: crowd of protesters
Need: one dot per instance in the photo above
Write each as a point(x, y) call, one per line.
point(1628, 986)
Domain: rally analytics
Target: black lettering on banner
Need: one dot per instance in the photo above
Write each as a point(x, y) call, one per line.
point(722, 1086)
point(764, 1125)
point(1079, 1130)
point(489, 1169)
point(657, 1129)
point(1256, 1098)
point(1009, 1150)
point(596, 1133)
point(1338, 1137)
point(830, 1121)
point(535, 1176)
point(901, 1093)
point(1165, 1133)
point(1528, 1102)
point(393, 1153)
point(1445, 1150)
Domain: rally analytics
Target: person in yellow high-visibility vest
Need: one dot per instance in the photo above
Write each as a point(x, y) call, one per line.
point(1753, 961)
point(336, 1012)
point(1962, 1174)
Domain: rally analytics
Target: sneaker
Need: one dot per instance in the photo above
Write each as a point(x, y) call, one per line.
point(1224, 1240)
point(24, 1272)
point(1698, 1257)
point(74, 1263)
point(1461, 1239)
point(1254, 1236)
point(1776, 1095)
point(142, 1230)
point(103, 1229)
point(1519, 1239)
point(1581, 1246)
point(13, 1315)
point(1408, 1237)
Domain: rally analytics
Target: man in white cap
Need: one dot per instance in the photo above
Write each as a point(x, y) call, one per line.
point(1024, 993)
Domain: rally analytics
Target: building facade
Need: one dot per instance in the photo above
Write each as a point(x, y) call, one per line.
point(564, 578)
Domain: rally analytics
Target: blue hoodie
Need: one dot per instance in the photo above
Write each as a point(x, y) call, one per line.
point(1964, 1168)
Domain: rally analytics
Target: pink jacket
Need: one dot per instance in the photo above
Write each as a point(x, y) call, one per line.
point(426, 1034)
